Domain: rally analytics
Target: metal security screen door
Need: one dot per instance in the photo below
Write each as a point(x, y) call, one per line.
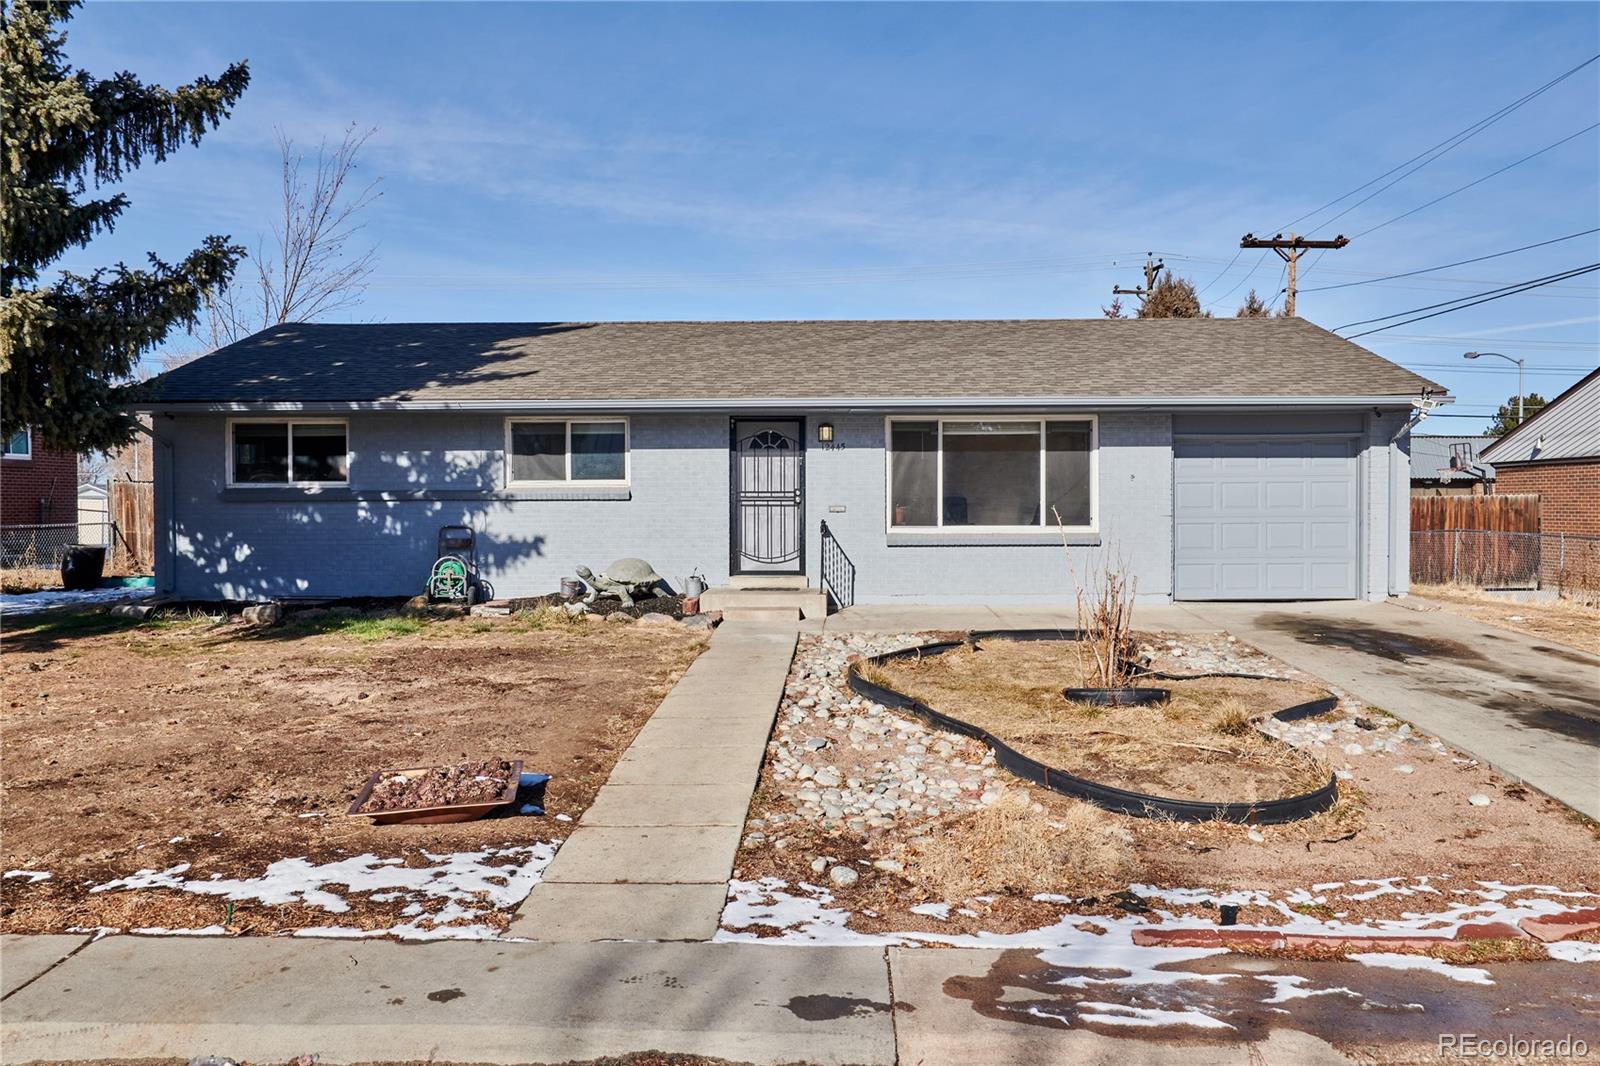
point(768, 496)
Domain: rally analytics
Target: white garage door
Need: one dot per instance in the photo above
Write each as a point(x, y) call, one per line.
point(1265, 518)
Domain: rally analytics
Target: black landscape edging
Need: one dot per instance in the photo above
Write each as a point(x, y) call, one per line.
point(1119, 800)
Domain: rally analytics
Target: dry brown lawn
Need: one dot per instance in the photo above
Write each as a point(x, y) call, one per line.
point(1564, 621)
point(142, 746)
point(1199, 745)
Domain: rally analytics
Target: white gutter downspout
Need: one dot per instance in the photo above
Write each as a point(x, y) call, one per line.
point(1400, 505)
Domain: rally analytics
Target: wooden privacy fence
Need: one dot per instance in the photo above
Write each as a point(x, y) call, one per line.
point(133, 511)
point(1509, 513)
point(1488, 541)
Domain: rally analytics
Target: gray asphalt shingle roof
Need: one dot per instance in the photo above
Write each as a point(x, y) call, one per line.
point(733, 361)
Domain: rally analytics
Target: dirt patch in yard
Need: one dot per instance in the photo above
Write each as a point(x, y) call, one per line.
point(197, 750)
point(1562, 620)
point(1201, 744)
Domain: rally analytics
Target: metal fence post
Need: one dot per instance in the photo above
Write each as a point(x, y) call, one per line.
point(1455, 556)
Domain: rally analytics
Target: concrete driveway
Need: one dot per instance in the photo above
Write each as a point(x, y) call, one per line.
point(1527, 707)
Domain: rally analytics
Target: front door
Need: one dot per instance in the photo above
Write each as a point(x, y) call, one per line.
point(768, 485)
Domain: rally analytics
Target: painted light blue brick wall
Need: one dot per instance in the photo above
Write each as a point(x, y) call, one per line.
point(1135, 478)
point(379, 538)
point(237, 544)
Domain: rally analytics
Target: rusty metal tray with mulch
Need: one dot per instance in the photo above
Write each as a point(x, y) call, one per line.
point(441, 815)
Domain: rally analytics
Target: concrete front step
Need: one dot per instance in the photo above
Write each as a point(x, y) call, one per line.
point(768, 581)
point(766, 604)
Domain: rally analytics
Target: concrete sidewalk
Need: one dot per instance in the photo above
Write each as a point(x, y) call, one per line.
point(1524, 706)
point(651, 857)
point(270, 999)
point(265, 999)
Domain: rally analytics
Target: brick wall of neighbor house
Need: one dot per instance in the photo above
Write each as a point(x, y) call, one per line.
point(42, 489)
point(1569, 493)
point(377, 540)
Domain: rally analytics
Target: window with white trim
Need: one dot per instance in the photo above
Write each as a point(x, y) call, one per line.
point(268, 453)
point(557, 451)
point(20, 444)
point(992, 473)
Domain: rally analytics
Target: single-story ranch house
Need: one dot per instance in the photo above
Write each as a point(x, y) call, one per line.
point(945, 460)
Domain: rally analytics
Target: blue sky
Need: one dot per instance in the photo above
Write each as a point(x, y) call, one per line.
point(891, 161)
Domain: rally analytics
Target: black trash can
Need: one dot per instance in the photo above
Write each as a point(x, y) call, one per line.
point(82, 566)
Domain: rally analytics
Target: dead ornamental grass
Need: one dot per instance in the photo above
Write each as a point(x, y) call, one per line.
point(1200, 745)
point(1017, 845)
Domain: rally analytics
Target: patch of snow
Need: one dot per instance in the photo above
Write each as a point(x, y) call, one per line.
point(1126, 1014)
point(12, 605)
point(157, 930)
point(468, 882)
point(1292, 986)
point(940, 911)
point(33, 876)
point(147, 878)
point(1390, 961)
point(1574, 951)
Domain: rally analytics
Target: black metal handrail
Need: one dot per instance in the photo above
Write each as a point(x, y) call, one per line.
point(838, 572)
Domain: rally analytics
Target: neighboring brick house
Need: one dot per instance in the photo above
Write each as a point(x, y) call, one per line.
point(1556, 454)
point(38, 484)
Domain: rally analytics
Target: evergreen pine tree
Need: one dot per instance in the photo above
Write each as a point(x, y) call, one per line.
point(1172, 297)
point(1253, 307)
point(69, 345)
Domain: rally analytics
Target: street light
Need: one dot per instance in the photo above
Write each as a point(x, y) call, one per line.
point(1509, 359)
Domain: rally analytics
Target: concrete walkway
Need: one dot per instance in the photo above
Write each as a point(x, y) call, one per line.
point(651, 857)
point(1529, 708)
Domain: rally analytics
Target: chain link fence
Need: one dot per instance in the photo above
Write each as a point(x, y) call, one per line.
point(1496, 559)
point(31, 555)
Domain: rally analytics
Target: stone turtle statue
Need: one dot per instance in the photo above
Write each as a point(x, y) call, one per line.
point(624, 579)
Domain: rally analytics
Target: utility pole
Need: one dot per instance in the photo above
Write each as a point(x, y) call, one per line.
point(1152, 270)
point(1289, 250)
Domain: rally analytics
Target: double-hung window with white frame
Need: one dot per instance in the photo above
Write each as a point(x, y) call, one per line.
point(567, 451)
point(20, 444)
point(1001, 474)
point(292, 453)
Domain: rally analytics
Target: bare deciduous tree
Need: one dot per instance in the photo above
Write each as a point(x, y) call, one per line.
point(312, 265)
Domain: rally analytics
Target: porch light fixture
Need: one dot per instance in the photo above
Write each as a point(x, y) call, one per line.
point(825, 432)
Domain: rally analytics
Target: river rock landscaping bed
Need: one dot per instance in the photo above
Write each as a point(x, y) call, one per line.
point(896, 821)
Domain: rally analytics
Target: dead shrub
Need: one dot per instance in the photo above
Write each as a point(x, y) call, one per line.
point(1105, 620)
point(1234, 721)
point(1015, 844)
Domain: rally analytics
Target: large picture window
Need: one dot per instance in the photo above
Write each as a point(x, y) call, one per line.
point(550, 451)
point(992, 473)
point(288, 453)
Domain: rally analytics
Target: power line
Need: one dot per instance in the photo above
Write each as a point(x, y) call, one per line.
point(1430, 154)
point(1591, 268)
point(1250, 274)
point(1480, 181)
point(1559, 275)
point(1447, 266)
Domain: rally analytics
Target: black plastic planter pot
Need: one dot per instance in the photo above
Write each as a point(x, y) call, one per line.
point(81, 567)
point(1118, 697)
